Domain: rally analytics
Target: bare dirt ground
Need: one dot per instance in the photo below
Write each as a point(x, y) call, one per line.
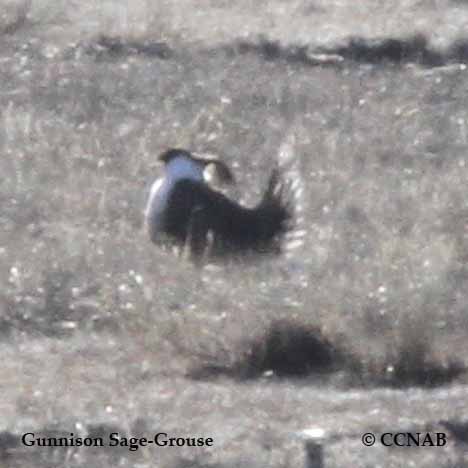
point(362, 329)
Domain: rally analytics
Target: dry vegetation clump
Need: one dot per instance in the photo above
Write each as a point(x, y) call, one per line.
point(286, 349)
point(410, 352)
point(398, 352)
point(291, 350)
point(415, 364)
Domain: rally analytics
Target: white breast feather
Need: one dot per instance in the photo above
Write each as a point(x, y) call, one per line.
point(177, 169)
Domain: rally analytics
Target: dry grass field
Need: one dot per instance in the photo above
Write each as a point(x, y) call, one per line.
point(364, 328)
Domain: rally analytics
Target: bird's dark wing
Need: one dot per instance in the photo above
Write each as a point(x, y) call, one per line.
point(186, 197)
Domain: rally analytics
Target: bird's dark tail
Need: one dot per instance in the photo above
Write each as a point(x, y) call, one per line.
point(278, 209)
point(274, 210)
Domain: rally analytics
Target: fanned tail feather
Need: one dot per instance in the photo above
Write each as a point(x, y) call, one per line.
point(293, 190)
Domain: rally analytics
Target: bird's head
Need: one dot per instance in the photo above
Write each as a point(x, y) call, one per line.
point(175, 159)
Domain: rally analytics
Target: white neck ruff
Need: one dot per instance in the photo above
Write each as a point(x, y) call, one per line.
point(177, 169)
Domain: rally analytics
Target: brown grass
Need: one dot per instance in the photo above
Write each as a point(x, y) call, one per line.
point(100, 327)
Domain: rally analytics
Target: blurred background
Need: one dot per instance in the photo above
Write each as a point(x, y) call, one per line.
point(362, 328)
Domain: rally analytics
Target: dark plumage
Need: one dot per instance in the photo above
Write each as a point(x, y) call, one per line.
point(184, 210)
